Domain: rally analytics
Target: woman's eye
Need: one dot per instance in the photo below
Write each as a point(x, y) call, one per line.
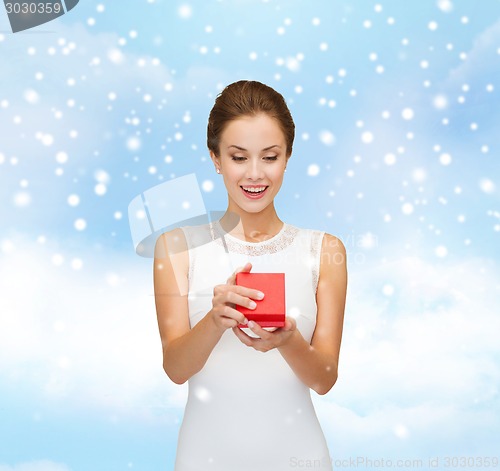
point(237, 158)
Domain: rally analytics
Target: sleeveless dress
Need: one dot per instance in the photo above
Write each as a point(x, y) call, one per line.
point(247, 410)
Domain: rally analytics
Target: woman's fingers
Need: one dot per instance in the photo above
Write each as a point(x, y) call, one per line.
point(237, 295)
point(266, 339)
point(233, 314)
point(290, 324)
point(227, 296)
point(231, 298)
point(246, 339)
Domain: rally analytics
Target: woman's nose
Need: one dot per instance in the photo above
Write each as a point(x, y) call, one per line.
point(254, 169)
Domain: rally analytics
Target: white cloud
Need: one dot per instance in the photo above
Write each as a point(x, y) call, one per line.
point(481, 60)
point(423, 361)
point(42, 465)
point(433, 337)
point(74, 337)
point(412, 432)
point(420, 364)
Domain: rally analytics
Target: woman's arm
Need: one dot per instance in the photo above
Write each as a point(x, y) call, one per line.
point(185, 349)
point(315, 364)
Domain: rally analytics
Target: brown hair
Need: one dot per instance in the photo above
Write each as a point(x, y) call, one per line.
point(248, 98)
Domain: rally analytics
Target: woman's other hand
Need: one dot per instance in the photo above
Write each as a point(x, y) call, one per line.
point(267, 339)
point(227, 296)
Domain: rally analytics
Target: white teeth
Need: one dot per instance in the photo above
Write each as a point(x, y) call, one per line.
point(255, 190)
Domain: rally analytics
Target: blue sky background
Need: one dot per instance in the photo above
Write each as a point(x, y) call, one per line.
point(396, 107)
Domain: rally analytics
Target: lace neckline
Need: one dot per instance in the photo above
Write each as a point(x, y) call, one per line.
point(246, 242)
point(274, 244)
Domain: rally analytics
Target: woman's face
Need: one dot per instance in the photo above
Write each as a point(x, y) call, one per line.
point(252, 155)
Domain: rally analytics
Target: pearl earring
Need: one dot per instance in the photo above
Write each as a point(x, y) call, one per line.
point(218, 171)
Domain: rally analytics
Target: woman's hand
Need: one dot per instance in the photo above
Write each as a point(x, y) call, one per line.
point(226, 296)
point(267, 340)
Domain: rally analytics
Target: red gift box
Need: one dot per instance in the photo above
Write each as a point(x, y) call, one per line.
point(270, 311)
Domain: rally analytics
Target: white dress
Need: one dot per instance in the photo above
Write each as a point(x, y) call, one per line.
point(247, 410)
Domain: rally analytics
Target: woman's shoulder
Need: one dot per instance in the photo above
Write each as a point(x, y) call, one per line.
point(330, 243)
point(171, 242)
point(328, 238)
point(333, 251)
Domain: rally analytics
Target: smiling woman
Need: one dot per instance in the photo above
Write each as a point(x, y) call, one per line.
point(249, 403)
point(251, 170)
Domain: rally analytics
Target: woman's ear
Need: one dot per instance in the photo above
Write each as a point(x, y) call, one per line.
point(214, 157)
point(216, 161)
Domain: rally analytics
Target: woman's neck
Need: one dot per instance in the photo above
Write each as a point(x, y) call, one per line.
point(251, 227)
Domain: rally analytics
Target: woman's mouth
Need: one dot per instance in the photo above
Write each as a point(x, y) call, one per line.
point(254, 193)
